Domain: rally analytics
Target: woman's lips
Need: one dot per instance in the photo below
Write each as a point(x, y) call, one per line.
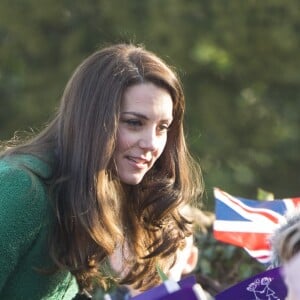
point(138, 162)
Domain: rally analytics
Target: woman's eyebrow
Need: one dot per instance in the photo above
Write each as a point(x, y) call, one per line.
point(141, 116)
point(135, 114)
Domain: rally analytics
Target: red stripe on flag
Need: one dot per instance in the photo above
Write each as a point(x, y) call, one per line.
point(251, 241)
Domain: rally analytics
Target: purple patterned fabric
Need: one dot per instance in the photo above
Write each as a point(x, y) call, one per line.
point(183, 291)
point(182, 294)
point(267, 285)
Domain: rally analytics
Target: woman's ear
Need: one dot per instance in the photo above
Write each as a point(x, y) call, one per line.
point(191, 261)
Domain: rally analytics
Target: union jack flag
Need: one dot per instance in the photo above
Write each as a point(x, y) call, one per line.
point(249, 223)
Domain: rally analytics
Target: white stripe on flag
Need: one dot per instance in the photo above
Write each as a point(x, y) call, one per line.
point(290, 205)
point(241, 226)
point(263, 256)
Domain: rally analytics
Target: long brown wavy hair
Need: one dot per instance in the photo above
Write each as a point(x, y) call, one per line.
point(94, 211)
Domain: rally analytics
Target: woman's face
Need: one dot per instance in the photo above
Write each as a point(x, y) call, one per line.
point(146, 114)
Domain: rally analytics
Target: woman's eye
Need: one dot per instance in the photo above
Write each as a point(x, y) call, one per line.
point(164, 127)
point(133, 123)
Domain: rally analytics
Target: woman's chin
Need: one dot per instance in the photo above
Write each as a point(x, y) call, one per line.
point(131, 180)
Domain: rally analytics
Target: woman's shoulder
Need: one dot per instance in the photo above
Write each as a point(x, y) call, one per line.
point(22, 183)
point(23, 163)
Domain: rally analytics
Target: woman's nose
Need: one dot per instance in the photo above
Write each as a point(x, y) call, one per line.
point(149, 140)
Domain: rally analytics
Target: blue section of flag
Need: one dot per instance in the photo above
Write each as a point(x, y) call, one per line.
point(224, 212)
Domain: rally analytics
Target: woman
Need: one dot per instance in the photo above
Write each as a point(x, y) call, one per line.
point(103, 182)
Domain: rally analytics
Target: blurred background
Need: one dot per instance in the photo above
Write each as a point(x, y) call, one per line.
point(239, 63)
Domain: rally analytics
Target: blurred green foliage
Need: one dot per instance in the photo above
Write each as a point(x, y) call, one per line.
point(238, 61)
point(220, 265)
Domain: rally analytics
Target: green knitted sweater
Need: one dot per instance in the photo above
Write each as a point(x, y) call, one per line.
point(24, 223)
